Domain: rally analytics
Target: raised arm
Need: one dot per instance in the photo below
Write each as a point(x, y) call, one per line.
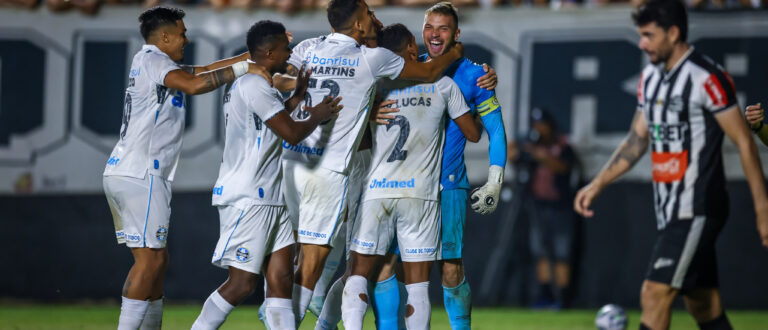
point(623, 159)
point(431, 71)
point(734, 125)
point(204, 82)
point(197, 69)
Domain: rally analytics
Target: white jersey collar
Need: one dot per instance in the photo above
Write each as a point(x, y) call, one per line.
point(341, 38)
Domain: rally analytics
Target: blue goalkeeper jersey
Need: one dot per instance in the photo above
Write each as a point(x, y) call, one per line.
point(480, 101)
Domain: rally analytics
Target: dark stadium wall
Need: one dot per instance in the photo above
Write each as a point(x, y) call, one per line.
point(61, 248)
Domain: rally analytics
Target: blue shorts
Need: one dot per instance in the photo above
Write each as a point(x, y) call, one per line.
point(453, 210)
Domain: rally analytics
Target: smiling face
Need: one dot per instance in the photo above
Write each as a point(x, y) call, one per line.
point(174, 39)
point(440, 33)
point(657, 42)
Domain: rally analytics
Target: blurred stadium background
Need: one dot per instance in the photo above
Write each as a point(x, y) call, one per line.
point(62, 75)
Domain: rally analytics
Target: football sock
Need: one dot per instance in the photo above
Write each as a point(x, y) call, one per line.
point(153, 319)
point(331, 265)
point(386, 296)
point(418, 310)
point(331, 314)
point(720, 323)
point(458, 305)
point(279, 313)
point(301, 297)
point(354, 302)
point(214, 313)
point(132, 313)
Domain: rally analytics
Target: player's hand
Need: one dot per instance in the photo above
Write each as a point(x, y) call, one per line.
point(328, 109)
point(486, 198)
point(754, 114)
point(584, 199)
point(762, 225)
point(383, 112)
point(260, 70)
point(302, 81)
point(489, 80)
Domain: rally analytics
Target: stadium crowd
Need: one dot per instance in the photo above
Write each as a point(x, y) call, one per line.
point(294, 6)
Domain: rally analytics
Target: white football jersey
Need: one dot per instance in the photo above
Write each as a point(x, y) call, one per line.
point(300, 50)
point(407, 152)
point(153, 120)
point(250, 171)
point(341, 67)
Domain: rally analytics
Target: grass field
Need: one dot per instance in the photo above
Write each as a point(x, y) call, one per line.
point(34, 317)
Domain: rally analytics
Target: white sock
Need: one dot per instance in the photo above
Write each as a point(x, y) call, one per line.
point(132, 313)
point(153, 319)
point(331, 315)
point(331, 265)
point(279, 313)
point(214, 313)
point(418, 298)
point(301, 298)
point(352, 306)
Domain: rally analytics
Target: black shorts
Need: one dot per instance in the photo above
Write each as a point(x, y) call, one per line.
point(684, 254)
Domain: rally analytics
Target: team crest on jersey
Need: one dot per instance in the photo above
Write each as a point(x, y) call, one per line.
point(242, 254)
point(161, 233)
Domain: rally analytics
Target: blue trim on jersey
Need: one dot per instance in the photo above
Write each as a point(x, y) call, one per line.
point(341, 207)
point(149, 202)
point(454, 172)
point(230, 235)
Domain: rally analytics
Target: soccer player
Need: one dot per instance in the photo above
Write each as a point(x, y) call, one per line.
point(401, 197)
point(755, 115)
point(255, 229)
point(440, 32)
point(139, 172)
point(317, 169)
point(686, 103)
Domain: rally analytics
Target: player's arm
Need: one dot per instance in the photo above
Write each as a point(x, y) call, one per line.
point(196, 69)
point(431, 71)
point(294, 132)
point(733, 124)
point(204, 82)
point(754, 114)
point(467, 126)
point(484, 200)
point(301, 82)
point(623, 159)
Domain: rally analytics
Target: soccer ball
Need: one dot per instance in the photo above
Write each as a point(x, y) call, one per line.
point(611, 317)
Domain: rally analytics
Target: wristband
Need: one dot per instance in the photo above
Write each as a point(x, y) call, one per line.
point(240, 68)
point(496, 174)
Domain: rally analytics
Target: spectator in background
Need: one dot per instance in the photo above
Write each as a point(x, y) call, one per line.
point(551, 163)
point(89, 7)
point(28, 4)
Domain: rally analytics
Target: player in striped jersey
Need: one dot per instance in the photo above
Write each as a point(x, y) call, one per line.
point(141, 167)
point(686, 104)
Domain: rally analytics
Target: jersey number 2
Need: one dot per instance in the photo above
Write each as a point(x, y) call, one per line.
point(329, 84)
point(405, 129)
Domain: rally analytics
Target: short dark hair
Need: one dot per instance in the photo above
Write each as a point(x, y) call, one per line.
point(665, 13)
point(341, 12)
point(445, 8)
point(155, 17)
point(263, 32)
point(395, 37)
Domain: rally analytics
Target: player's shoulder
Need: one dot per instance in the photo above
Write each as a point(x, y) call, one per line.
point(252, 83)
point(704, 64)
point(445, 84)
point(306, 43)
point(470, 69)
point(153, 54)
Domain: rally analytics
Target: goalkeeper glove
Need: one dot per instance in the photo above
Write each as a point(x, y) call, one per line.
point(486, 198)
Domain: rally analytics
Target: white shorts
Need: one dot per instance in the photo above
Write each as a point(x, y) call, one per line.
point(358, 176)
point(247, 236)
point(415, 223)
point(316, 199)
point(141, 209)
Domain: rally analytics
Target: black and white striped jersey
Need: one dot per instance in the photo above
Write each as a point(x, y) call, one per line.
point(687, 165)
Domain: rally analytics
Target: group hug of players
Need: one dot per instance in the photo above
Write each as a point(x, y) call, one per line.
point(364, 163)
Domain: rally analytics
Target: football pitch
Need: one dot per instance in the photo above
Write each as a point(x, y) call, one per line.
point(86, 317)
